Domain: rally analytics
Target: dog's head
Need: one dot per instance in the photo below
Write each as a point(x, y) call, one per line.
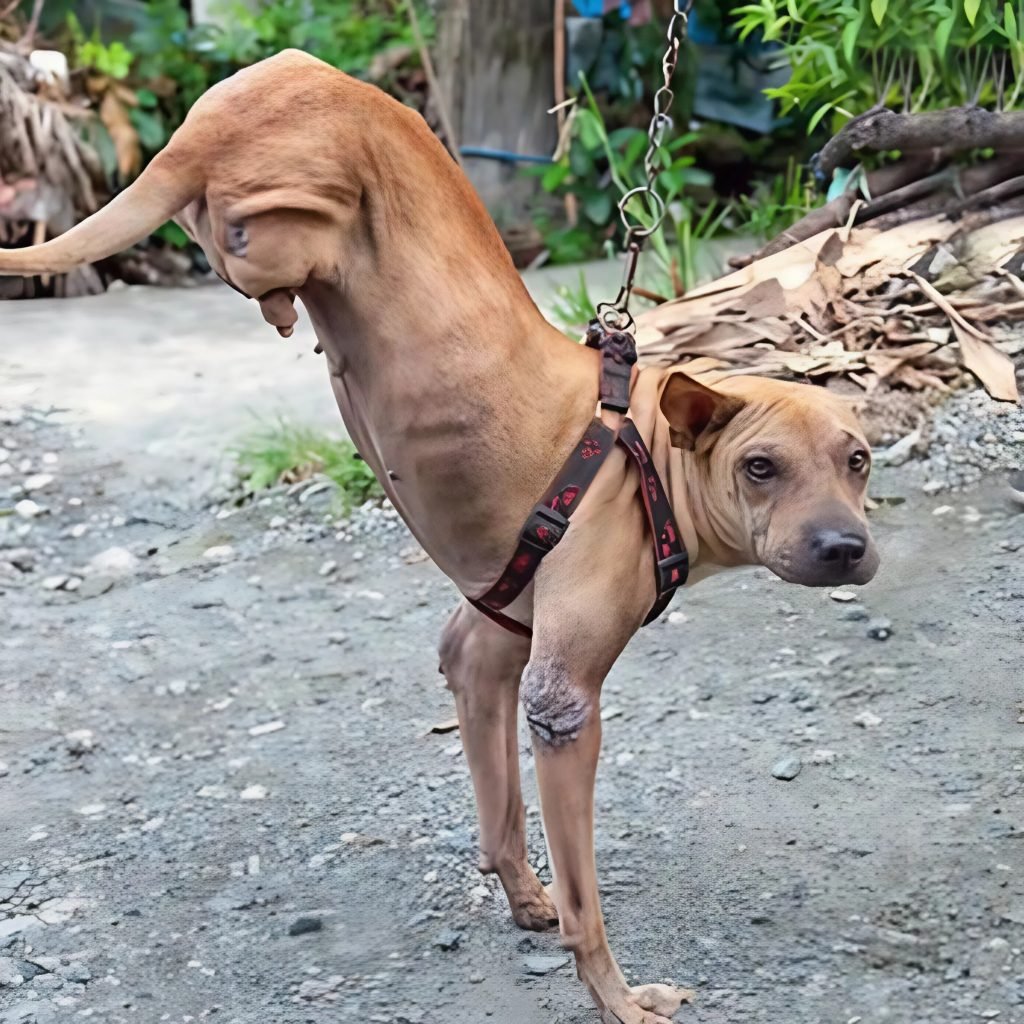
point(782, 470)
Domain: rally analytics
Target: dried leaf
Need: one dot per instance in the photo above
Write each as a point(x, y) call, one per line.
point(993, 368)
point(115, 118)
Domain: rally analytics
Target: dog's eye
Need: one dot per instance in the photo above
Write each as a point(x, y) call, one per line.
point(859, 461)
point(759, 469)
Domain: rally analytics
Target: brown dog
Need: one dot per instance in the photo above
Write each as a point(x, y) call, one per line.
point(299, 181)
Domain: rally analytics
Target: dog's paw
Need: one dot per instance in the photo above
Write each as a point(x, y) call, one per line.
point(647, 1004)
point(533, 907)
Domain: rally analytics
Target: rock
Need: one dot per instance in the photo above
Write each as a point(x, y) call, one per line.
point(54, 582)
point(10, 975)
point(113, 562)
point(880, 629)
point(541, 965)
point(4, 769)
point(787, 769)
point(990, 958)
point(854, 613)
point(75, 972)
point(867, 720)
point(37, 482)
point(219, 553)
point(94, 586)
point(328, 567)
point(677, 618)
point(23, 559)
point(80, 741)
point(266, 728)
point(843, 595)
point(476, 978)
point(898, 453)
point(933, 486)
point(178, 687)
point(448, 940)
point(823, 757)
point(27, 509)
point(305, 925)
point(254, 793)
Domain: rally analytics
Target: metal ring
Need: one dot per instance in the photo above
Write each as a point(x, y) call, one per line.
point(657, 210)
point(611, 317)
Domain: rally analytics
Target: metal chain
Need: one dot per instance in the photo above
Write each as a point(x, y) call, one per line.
point(615, 316)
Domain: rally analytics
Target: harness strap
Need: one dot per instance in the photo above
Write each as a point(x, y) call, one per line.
point(550, 519)
point(671, 561)
point(547, 524)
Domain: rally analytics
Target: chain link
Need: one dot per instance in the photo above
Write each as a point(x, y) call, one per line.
point(615, 316)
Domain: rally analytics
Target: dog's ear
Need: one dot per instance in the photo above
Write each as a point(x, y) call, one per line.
point(693, 409)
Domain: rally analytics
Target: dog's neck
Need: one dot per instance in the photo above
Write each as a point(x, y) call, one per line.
point(456, 390)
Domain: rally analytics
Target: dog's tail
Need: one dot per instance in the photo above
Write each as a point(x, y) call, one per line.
point(166, 186)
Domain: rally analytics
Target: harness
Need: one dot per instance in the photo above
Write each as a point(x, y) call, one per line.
point(549, 520)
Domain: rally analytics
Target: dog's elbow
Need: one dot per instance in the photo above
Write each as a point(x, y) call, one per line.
point(557, 707)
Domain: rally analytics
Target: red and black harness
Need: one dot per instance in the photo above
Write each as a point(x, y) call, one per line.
point(550, 517)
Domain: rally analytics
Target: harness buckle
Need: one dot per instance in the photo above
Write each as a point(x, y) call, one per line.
point(672, 571)
point(545, 528)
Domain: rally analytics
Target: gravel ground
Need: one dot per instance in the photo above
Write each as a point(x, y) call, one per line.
point(221, 797)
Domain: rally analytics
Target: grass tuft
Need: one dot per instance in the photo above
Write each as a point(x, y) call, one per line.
point(285, 453)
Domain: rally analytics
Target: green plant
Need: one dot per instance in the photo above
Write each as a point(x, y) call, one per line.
point(573, 307)
point(777, 203)
point(90, 53)
point(283, 452)
point(599, 166)
point(847, 56)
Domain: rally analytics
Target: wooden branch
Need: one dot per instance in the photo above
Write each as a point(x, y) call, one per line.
point(884, 183)
point(960, 127)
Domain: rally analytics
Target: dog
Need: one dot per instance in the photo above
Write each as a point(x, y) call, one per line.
point(298, 181)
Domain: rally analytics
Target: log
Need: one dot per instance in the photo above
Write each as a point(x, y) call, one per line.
point(952, 131)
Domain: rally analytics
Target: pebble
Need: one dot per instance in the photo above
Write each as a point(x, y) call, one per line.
point(787, 769)
point(10, 975)
point(843, 595)
point(541, 965)
point(305, 925)
point(80, 741)
point(27, 509)
point(266, 728)
point(37, 481)
point(867, 720)
point(4, 769)
point(219, 553)
point(54, 582)
point(855, 613)
point(879, 629)
point(113, 562)
point(448, 940)
point(254, 793)
point(677, 618)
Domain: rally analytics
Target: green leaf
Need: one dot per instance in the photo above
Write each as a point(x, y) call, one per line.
point(878, 9)
point(971, 8)
point(1010, 22)
point(818, 115)
point(598, 208)
point(849, 39)
point(942, 34)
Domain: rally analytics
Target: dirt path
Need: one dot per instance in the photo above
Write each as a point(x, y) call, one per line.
point(206, 744)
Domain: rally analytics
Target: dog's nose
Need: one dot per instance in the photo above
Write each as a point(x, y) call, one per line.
point(838, 547)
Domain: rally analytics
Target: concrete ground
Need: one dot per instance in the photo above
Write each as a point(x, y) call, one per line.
point(220, 798)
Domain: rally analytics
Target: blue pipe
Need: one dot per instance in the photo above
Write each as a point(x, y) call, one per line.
point(504, 155)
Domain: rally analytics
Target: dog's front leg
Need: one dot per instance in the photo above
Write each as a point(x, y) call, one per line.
point(571, 654)
point(483, 664)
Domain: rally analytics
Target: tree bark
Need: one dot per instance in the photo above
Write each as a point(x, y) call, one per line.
point(495, 66)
